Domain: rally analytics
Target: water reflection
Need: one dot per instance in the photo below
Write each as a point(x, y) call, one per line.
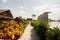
point(54, 24)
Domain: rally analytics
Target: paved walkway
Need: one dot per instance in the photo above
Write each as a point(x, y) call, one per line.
point(29, 34)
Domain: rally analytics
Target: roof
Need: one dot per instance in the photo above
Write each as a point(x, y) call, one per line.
point(2, 11)
point(6, 17)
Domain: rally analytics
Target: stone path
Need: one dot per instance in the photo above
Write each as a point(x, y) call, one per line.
point(29, 34)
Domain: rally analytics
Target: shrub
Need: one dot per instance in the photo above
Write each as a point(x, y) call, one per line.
point(25, 23)
point(53, 34)
point(44, 32)
point(40, 27)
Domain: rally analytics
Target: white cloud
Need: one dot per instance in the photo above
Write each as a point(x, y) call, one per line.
point(18, 12)
point(53, 8)
point(21, 11)
point(21, 7)
point(4, 1)
point(39, 8)
point(44, 7)
point(55, 13)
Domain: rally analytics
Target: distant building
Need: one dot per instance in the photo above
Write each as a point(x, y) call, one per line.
point(5, 15)
point(44, 16)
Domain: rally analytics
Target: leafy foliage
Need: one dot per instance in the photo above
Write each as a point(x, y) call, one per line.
point(53, 34)
point(44, 32)
point(40, 28)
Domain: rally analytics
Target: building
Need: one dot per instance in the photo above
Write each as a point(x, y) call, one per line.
point(19, 19)
point(5, 15)
point(44, 16)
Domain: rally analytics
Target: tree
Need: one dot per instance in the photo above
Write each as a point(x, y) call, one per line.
point(33, 15)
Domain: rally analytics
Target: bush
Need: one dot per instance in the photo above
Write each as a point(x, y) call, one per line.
point(25, 23)
point(40, 27)
point(53, 34)
point(44, 32)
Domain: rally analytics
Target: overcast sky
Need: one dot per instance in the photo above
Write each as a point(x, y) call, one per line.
point(26, 8)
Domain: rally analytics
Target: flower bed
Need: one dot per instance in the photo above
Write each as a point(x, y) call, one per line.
point(10, 30)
